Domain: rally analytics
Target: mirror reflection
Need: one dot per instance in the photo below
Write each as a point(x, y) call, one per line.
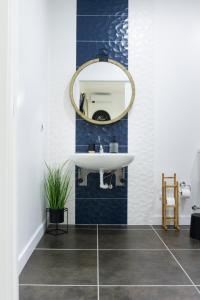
point(102, 92)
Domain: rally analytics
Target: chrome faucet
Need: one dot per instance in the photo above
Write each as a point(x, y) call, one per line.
point(100, 145)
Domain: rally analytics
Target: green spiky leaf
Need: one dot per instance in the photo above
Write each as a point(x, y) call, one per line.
point(57, 186)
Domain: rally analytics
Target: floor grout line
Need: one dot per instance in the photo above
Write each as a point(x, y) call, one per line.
point(64, 249)
point(111, 229)
point(105, 285)
point(105, 249)
point(174, 257)
point(146, 285)
point(188, 249)
point(116, 249)
point(127, 229)
point(161, 229)
point(133, 249)
point(97, 262)
point(56, 285)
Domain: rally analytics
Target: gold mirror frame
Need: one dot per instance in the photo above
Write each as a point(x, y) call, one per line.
point(90, 62)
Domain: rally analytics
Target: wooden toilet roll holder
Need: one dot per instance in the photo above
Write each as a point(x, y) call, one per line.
point(165, 205)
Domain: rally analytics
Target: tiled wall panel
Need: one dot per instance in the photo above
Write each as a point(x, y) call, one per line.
point(101, 24)
point(102, 7)
point(88, 50)
point(141, 188)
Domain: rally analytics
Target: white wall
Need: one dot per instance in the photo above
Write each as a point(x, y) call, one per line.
point(141, 191)
point(62, 65)
point(30, 114)
point(177, 94)
point(164, 44)
point(8, 265)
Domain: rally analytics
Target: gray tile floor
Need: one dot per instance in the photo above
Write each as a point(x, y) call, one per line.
point(114, 263)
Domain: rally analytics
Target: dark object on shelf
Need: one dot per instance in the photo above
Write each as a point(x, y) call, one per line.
point(56, 217)
point(101, 115)
point(195, 226)
point(113, 146)
point(91, 148)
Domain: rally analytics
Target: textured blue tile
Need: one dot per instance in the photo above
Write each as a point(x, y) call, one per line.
point(102, 7)
point(92, 190)
point(84, 148)
point(87, 133)
point(89, 50)
point(101, 211)
point(108, 32)
point(102, 28)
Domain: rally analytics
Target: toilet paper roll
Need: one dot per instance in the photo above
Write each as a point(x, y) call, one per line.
point(170, 200)
point(185, 192)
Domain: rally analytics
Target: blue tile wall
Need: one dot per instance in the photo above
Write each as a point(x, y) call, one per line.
point(101, 24)
point(88, 133)
point(94, 190)
point(88, 50)
point(102, 28)
point(101, 211)
point(102, 7)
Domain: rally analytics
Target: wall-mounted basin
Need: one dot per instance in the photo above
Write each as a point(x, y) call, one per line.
point(102, 161)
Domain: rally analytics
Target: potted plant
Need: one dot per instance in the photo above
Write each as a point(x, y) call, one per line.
point(57, 190)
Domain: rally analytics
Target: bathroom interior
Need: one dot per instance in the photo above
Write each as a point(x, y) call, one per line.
point(73, 59)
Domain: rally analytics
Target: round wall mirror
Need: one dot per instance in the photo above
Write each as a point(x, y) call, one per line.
point(102, 92)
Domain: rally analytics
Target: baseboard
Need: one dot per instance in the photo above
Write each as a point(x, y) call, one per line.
point(31, 245)
point(183, 220)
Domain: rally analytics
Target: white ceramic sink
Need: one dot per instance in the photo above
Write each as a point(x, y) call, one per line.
point(102, 161)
